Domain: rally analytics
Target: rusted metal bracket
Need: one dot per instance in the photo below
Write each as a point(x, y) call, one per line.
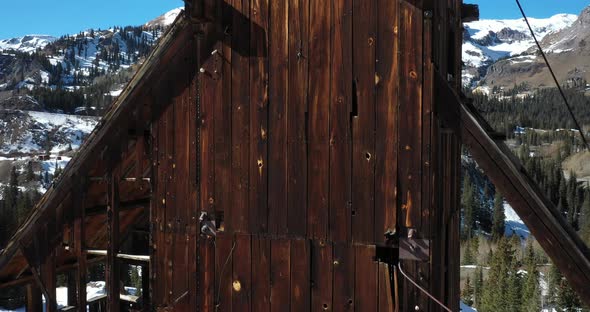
point(405, 248)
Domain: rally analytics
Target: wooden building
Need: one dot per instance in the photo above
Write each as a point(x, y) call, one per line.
point(283, 155)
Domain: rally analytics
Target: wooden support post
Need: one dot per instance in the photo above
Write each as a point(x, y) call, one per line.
point(49, 280)
point(34, 301)
point(79, 249)
point(145, 287)
point(112, 267)
point(72, 297)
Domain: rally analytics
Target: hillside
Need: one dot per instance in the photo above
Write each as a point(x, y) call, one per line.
point(501, 53)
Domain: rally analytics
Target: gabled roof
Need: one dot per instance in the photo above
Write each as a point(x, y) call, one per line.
point(106, 147)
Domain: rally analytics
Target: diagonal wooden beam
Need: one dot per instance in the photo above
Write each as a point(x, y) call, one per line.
point(39, 279)
point(559, 240)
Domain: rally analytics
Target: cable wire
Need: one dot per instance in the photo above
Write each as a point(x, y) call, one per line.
point(399, 266)
point(553, 75)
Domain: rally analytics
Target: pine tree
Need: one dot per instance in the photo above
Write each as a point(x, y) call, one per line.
point(502, 291)
point(469, 254)
point(469, 205)
point(554, 281)
point(467, 293)
point(585, 218)
point(531, 292)
point(499, 220)
point(30, 174)
point(477, 286)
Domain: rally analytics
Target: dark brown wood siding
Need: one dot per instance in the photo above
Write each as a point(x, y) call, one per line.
point(317, 133)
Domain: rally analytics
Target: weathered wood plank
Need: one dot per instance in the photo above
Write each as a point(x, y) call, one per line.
point(386, 122)
point(259, 125)
point(240, 117)
point(223, 120)
point(344, 277)
point(242, 274)
point(410, 161)
point(363, 121)
point(321, 276)
point(410, 136)
point(365, 278)
point(429, 132)
point(300, 281)
point(386, 302)
point(206, 286)
point(210, 89)
point(170, 221)
point(319, 92)
point(157, 206)
point(184, 209)
point(224, 247)
point(261, 281)
point(296, 114)
point(280, 274)
point(279, 97)
point(340, 109)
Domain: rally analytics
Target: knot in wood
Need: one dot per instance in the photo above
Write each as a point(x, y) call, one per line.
point(237, 286)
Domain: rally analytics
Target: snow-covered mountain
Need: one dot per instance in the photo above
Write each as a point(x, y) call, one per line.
point(29, 43)
point(487, 41)
point(164, 20)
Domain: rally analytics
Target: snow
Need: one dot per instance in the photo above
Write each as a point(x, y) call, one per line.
point(474, 266)
point(170, 16)
point(514, 224)
point(465, 308)
point(44, 76)
point(93, 290)
point(116, 92)
point(485, 47)
point(542, 27)
point(27, 44)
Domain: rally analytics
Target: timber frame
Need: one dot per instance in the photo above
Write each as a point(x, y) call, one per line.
point(273, 154)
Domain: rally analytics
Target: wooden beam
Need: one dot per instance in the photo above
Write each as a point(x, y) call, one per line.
point(44, 278)
point(28, 279)
point(72, 291)
point(34, 300)
point(145, 287)
point(112, 265)
point(50, 281)
point(558, 239)
point(79, 248)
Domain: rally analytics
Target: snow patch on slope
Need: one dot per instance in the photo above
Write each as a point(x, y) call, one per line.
point(28, 43)
point(514, 224)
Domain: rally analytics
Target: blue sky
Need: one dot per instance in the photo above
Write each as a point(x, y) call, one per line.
point(534, 8)
point(59, 17)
